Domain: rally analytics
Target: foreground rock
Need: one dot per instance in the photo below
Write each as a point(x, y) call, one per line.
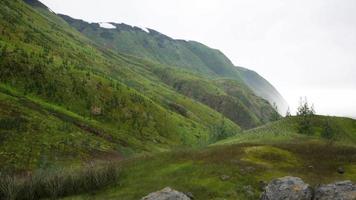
point(338, 191)
point(291, 188)
point(166, 194)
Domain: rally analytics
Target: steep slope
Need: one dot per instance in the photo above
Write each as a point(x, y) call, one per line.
point(263, 88)
point(151, 45)
point(227, 96)
point(198, 69)
point(189, 55)
point(58, 86)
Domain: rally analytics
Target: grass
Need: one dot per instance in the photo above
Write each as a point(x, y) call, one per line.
point(286, 131)
point(245, 163)
point(56, 183)
point(200, 171)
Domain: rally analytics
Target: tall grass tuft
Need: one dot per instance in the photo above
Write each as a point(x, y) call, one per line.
point(9, 187)
point(54, 184)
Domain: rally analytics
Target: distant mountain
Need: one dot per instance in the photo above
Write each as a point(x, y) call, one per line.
point(189, 55)
point(263, 89)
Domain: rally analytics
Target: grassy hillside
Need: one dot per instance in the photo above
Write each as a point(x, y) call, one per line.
point(156, 46)
point(193, 58)
point(53, 72)
point(227, 96)
point(286, 131)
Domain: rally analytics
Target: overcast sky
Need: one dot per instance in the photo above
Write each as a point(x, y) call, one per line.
point(303, 47)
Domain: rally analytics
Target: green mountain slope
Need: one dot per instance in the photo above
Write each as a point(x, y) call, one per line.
point(188, 55)
point(155, 46)
point(53, 72)
point(206, 65)
point(227, 96)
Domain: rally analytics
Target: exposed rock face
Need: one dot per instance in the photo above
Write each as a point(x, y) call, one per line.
point(291, 188)
point(338, 191)
point(166, 194)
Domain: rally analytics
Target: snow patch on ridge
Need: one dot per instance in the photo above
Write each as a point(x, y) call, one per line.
point(106, 25)
point(143, 28)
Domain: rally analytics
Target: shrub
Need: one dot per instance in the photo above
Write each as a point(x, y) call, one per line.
point(58, 183)
point(178, 108)
point(9, 188)
point(328, 131)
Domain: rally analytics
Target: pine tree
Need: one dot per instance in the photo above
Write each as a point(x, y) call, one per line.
point(305, 114)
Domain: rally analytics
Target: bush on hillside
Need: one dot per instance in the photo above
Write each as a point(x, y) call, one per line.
point(328, 131)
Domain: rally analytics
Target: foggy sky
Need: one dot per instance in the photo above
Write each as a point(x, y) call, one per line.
point(303, 47)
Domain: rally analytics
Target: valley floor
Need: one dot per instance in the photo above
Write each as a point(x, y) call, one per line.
point(230, 171)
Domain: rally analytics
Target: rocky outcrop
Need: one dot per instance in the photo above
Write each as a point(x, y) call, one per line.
point(166, 194)
point(288, 187)
point(293, 188)
point(344, 190)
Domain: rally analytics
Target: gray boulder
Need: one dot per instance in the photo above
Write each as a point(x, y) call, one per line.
point(291, 188)
point(166, 194)
point(344, 190)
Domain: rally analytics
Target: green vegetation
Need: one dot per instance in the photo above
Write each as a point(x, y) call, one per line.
point(200, 172)
point(286, 130)
point(58, 89)
point(64, 99)
point(57, 183)
point(72, 94)
point(328, 131)
point(229, 97)
point(306, 115)
point(199, 72)
point(223, 171)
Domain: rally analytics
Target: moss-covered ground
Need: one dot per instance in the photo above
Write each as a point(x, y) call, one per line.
point(202, 172)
